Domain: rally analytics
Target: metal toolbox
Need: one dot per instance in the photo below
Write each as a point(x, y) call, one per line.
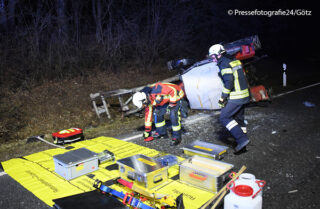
point(204, 173)
point(205, 149)
point(144, 170)
point(75, 163)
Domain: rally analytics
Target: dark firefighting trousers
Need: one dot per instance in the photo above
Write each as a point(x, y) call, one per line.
point(175, 119)
point(232, 117)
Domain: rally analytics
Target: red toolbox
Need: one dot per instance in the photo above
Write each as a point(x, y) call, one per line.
point(67, 135)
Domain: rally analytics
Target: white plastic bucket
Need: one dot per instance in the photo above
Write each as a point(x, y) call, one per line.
point(245, 193)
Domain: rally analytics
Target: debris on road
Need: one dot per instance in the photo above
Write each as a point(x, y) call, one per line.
point(254, 128)
point(273, 132)
point(289, 175)
point(308, 104)
point(293, 191)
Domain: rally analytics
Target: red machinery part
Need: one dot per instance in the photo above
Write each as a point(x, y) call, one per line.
point(259, 93)
point(247, 51)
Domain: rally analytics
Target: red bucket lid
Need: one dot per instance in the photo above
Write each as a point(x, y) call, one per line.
point(243, 190)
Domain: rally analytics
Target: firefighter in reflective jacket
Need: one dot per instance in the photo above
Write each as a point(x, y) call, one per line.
point(157, 99)
point(235, 95)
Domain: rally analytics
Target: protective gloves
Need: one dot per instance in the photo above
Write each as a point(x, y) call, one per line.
point(222, 102)
point(147, 136)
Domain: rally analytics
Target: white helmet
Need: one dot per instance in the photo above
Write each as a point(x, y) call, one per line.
point(216, 49)
point(139, 98)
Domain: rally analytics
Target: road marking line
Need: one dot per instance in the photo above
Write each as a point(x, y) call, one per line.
point(185, 122)
point(3, 173)
point(289, 92)
point(200, 118)
point(132, 137)
point(195, 120)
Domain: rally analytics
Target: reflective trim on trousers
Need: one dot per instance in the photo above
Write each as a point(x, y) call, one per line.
point(148, 123)
point(231, 124)
point(176, 128)
point(175, 121)
point(163, 123)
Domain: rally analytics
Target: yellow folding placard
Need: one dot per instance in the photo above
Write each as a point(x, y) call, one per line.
point(36, 173)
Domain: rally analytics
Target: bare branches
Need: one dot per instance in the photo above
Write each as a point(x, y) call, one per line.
point(57, 38)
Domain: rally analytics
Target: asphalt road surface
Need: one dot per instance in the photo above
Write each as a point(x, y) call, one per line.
point(284, 151)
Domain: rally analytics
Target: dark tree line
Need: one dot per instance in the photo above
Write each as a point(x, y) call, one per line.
point(53, 38)
point(56, 38)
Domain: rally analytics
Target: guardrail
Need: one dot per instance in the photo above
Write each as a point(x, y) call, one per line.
point(103, 107)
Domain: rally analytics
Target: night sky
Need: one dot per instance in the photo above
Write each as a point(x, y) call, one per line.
point(285, 36)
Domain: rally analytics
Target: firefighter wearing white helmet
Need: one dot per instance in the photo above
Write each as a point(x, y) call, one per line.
point(159, 98)
point(235, 95)
point(139, 99)
point(216, 49)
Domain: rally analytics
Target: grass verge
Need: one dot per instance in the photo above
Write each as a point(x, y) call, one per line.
point(52, 106)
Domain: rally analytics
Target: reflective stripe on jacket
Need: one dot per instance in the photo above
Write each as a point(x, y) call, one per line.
point(235, 83)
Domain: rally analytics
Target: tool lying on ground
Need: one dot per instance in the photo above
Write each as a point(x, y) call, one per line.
point(222, 192)
point(41, 138)
point(61, 137)
point(165, 200)
point(126, 198)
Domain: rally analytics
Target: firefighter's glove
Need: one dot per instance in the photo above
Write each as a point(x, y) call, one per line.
point(222, 102)
point(147, 136)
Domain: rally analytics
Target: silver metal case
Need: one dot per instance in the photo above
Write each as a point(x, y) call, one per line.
point(204, 173)
point(143, 170)
point(75, 163)
point(205, 149)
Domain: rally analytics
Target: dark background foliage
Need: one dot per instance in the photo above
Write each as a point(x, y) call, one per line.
point(51, 39)
point(54, 53)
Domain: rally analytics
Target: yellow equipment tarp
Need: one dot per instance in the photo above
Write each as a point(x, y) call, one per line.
point(36, 173)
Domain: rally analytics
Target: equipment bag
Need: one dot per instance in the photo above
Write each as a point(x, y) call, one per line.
point(67, 135)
